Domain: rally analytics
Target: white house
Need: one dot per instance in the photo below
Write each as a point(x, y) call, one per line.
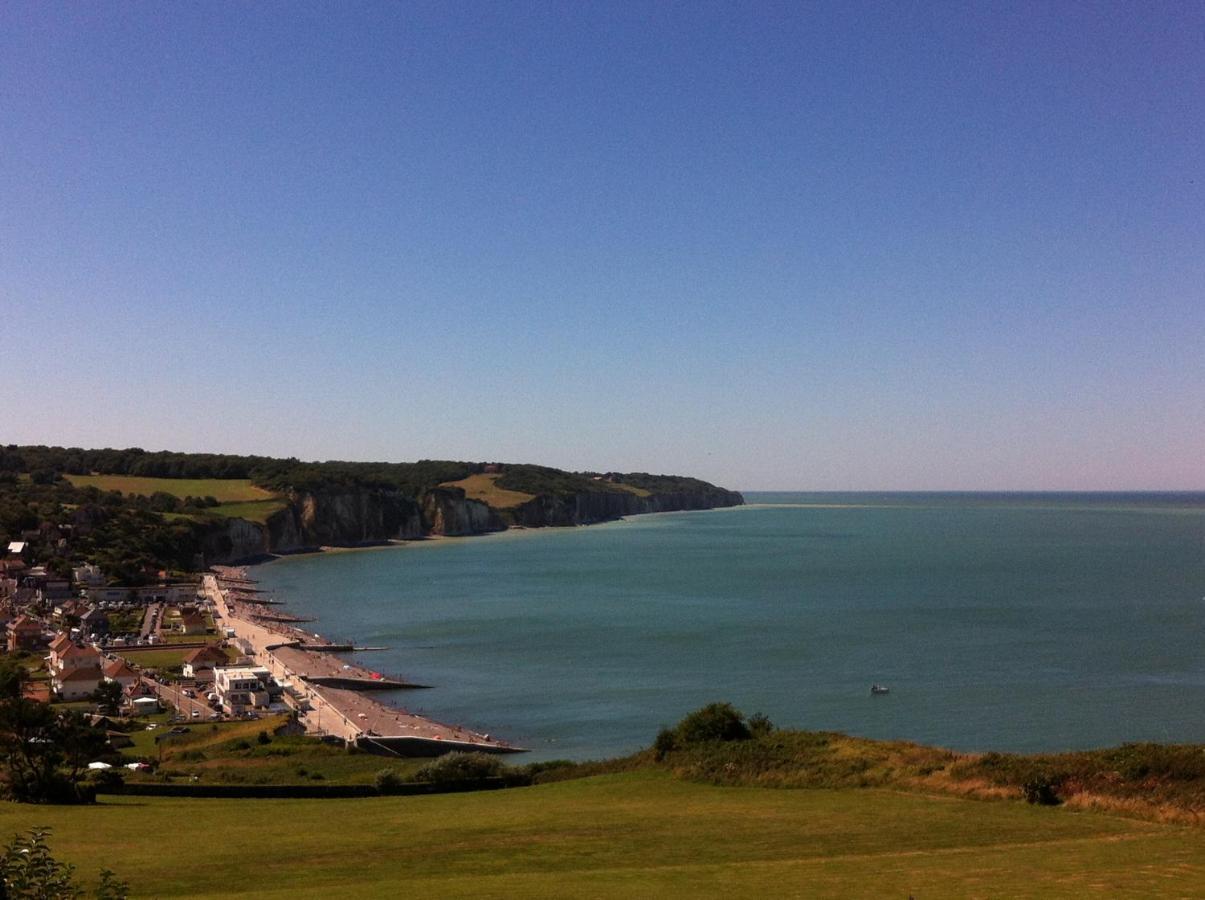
point(240, 688)
point(199, 664)
point(144, 706)
point(75, 684)
point(119, 670)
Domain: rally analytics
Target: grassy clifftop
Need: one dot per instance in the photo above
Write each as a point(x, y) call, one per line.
point(257, 477)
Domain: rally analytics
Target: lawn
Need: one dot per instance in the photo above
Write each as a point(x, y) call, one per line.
point(484, 488)
point(224, 490)
point(252, 510)
point(639, 834)
point(152, 659)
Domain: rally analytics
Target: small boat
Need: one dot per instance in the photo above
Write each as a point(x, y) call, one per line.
point(879, 689)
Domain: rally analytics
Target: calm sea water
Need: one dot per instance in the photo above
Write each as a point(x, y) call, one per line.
point(1010, 622)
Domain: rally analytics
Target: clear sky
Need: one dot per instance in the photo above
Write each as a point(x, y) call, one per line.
point(827, 246)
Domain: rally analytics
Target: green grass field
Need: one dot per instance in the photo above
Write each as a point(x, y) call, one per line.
point(224, 490)
point(252, 510)
point(485, 488)
point(640, 834)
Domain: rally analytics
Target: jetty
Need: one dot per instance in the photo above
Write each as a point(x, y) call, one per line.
point(328, 693)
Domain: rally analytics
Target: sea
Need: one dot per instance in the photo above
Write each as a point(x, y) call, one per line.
point(1010, 622)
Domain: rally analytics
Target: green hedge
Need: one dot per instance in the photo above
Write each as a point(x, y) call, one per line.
point(299, 791)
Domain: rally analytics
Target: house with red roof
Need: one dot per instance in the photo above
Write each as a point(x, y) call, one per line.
point(119, 670)
point(24, 633)
point(200, 662)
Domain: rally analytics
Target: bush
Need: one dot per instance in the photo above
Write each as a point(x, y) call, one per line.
point(28, 870)
point(108, 778)
point(664, 745)
point(262, 738)
point(760, 725)
point(1042, 790)
point(714, 722)
point(460, 767)
point(386, 779)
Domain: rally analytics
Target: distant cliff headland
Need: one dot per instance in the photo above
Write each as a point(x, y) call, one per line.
point(137, 510)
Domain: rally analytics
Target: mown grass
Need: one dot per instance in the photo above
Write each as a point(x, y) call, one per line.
point(635, 834)
point(224, 490)
point(632, 489)
point(485, 488)
point(153, 659)
point(253, 511)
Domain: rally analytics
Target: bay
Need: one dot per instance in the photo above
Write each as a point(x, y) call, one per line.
point(1019, 622)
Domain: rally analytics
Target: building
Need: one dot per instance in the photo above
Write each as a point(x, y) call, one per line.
point(66, 608)
point(59, 643)
point(54, 590)
point(199, 664)
point(173, 592)
point(94, 622)
point(241, 688)
point(68, 656)
point(119, 670)
point(24, 633)
point(191, 622)
point(144, 706)
point(88, 575)
point(75, 683)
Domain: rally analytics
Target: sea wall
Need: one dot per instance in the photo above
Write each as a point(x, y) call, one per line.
point(357, 517)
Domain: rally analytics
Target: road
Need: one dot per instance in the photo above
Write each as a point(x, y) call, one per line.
point(150, 619)
point(174, 696)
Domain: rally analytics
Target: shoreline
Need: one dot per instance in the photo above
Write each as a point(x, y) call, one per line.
point(328, 694)
point(512, 531)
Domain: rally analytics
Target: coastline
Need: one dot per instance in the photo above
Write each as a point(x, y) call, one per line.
point(326, 693)
point(512, 531)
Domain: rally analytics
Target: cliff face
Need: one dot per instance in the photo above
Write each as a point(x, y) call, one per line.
point(448, 511)
point(311, 520)
point(347, 518)
point(354, 517)
point(587, 508)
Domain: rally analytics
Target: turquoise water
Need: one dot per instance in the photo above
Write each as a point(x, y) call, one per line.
point(1008, 622)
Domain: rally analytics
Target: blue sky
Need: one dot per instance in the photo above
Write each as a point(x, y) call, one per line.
point(829, 246)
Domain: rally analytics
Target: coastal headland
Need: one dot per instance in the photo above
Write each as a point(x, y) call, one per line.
point(204, 509)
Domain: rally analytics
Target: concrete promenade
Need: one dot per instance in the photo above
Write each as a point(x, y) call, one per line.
point(320, 685)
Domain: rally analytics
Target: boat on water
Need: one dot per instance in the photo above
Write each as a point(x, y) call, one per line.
point(879, 689)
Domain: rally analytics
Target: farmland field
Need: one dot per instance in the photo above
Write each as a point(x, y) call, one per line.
point(224, 490)
point(637, 834)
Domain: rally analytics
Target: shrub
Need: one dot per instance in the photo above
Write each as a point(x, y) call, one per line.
point(1042, 790)
point(760, 725)
point(262, 738)
point(460, 767)
point(714, 722)
point(664, 744)
point(28, 870)
point(386, 779)
point(108, 778)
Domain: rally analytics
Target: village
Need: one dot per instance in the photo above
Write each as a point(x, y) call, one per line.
point(211, 650)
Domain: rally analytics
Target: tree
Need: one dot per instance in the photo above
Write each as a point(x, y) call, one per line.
point(28, 871)
point(43, 753)
point(108, 697)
